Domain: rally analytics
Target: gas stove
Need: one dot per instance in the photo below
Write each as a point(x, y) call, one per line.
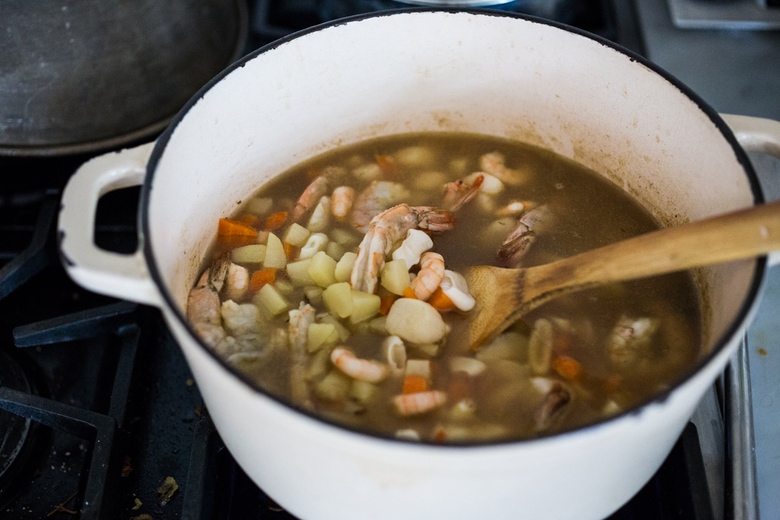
point(103, 420)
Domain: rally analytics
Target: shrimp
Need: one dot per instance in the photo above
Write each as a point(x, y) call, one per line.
point(419, 402)
point(430, 275)
point(314, 192)
point(555, 398)
point(203, 305)
point(341, 201)
point(458, 193)
point(377, 197)
point(494, 164)
point(298, 328)
point(357, 368)
point(385, 230)
point(630, 340)
point(517, 243)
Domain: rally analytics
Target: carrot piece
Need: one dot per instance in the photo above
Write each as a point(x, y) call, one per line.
point(262, 277)
point(414, 383)
point(440, 301)
point(289, 250)
point(233, 227)
point(248, 218)
point(409, 293)
point(567, 367)
point(385, 303)
point(275, 220)
point(386, 163)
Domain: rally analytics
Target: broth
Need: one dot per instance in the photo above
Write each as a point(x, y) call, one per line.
point(289, 295)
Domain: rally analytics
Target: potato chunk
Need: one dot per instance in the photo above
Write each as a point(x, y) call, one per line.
point(415, 321)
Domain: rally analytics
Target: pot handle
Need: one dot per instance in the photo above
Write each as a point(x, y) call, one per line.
point(106, 272)
point(756, 134)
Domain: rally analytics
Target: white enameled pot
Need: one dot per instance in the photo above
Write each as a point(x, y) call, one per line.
point(488, 73)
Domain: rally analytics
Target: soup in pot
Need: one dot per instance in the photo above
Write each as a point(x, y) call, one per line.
point(337, 285)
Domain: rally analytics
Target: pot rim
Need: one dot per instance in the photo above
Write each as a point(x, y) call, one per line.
point(719, 344)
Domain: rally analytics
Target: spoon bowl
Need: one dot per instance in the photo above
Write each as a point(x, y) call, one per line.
point(504, 295)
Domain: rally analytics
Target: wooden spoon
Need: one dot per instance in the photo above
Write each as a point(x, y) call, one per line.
point(504, 295)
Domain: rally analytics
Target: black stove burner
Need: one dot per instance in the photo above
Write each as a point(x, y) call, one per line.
point(19, 434)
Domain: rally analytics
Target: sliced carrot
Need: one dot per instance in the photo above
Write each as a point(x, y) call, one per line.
point(567, 367)
point(385, 302)
point(248, 218)
point(275, 220)
point(562, 343)
point(232, 227)
point(414, 383)
point(440, 435)
point(409, 293)
point(262, 277)
point(289, 250)
point(386, 163)
point(440, 301)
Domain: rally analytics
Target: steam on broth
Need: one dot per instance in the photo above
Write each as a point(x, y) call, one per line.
point(335, 286)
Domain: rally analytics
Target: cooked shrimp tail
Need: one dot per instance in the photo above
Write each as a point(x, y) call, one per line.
point(203, 305)
point(519, 241)
point(300, 320)
point(430, 275)
point(458, 193)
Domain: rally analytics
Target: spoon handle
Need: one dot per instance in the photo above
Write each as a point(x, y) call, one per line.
point(754, 231)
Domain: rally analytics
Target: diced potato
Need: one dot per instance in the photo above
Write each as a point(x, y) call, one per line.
point(334, 250)
point(320, 334)
point(285, 287)
point(378, 325)
point(344, 237)
point(274, 254)
point(299, 272)
point(313, 294)
point(320, 217)
point(416, 321)
point(319, 365)
point(426, 349)
point(322, 269)
point(367, 172)
point(344, 266)
point(469, 365)
point(415, 156)
point(394, 276)
point(341, 329)
point(362, 392)
point(418, 367)
point(296, 235)
point(250, 254)
point(338, 299)
point(334, 386)
point(364, 306)
point(430, 180)
point(259, 205)
point(270, 299)
point(509, 345)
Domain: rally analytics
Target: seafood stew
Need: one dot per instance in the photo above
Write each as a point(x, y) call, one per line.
point(336, 285)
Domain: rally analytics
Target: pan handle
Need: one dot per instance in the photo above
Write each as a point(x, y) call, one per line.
point(756, 134)
point(106, 272)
